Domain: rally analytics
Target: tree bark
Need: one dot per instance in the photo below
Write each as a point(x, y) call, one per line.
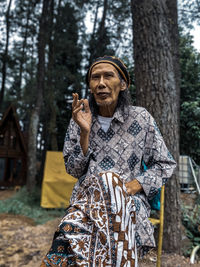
point(52, 129)
point(173, 188)
point(95, 20)
point(157, 89)
point(23, 54)
point(34, 121)
point(97, 36)
point(5, 55)
point(97, 44)
point(103, 20)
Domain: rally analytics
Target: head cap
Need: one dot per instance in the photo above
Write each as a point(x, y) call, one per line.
point(116, 62)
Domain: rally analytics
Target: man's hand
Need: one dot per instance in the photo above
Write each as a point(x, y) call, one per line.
point(133, 187)
point(83, 118)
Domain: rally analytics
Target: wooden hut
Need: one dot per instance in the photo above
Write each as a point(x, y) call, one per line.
point(13, 150)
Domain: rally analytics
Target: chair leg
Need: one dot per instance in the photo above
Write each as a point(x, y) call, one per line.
point(160, 238)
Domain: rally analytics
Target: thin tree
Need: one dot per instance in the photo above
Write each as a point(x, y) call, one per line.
point(157, 89)
point(5, 55)
point(25, 33)
point(100, 38)
point(50, 83)
point(34, 120)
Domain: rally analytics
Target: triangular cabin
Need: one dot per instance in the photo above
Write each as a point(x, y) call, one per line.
point(13, 150)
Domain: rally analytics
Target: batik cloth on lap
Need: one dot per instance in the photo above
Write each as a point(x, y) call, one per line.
point(98, 228)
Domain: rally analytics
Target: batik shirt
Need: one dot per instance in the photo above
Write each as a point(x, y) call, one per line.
point(132, 140)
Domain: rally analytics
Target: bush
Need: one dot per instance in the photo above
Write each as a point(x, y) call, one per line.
point(27, 204)
point(191, 221)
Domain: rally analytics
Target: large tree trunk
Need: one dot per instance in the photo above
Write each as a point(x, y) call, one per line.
point(157, 89)
point(5, 55)
point(173, 188)
point(34, 121)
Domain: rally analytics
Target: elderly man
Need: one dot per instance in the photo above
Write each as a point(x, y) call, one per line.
point(107, 145)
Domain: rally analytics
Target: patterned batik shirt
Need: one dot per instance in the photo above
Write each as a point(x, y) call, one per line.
point(132, 140)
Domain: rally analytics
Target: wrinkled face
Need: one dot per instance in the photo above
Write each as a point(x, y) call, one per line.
point(105, 85)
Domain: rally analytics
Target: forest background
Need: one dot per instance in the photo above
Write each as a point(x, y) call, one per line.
point(45, 50)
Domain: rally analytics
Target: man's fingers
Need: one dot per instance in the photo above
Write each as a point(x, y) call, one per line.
point(78, 104)
point(128, 190)
point(86, 105)
point(76, 110)
point(75, 99)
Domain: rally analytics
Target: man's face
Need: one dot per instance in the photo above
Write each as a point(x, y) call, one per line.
point(105, 85)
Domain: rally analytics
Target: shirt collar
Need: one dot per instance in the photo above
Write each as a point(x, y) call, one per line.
point(120, 114)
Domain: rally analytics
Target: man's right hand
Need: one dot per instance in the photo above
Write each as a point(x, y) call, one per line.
point(82, 117)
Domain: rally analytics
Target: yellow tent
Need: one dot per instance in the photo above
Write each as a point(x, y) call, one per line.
point(57, 184)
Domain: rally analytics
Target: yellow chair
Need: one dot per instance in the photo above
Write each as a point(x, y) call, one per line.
point(160, 221)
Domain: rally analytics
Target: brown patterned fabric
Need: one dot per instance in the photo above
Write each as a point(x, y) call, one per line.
point(98, 228)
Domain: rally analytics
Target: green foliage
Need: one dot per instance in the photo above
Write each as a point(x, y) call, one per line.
point(27, 204)
point(66, 74)
point(189, 13)
point(130, 68)
point(190, 68)
point(112, 33)
point(190, 129)
point(190, 99)
point(191, 221)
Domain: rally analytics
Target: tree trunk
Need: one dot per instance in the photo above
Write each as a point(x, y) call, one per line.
point(97, 44)
point(97, 35)
point(174, 38)
point(5, 55)
point(34, 121)
point(103, 21)
point(95, 20)
point(157, 89)
point(173, 188)
point(92, 41)
point(21, 67)
point(51, 105)
point(32, 150)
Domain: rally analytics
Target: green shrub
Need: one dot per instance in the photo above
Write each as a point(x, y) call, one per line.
point(191, 221)
point(27, 204)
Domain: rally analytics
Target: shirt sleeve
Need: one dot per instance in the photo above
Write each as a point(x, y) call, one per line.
point(158, 160)
point(75, 162)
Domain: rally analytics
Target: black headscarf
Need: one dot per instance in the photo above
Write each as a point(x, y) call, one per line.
point(116, 62)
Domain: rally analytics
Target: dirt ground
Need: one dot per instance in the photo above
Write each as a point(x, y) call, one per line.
point(6, 193)
point(22, 243)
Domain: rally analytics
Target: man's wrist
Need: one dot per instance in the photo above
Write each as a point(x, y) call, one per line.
point(84, 141)
point(84, 133)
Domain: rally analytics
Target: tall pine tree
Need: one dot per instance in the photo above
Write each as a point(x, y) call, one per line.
point(155, 41)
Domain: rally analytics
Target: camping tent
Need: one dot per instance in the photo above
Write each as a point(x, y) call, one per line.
point(57, 184)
